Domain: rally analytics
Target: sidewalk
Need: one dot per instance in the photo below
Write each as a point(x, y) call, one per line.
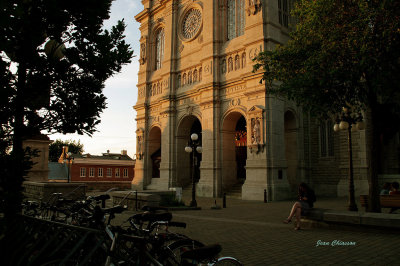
point(253, 232)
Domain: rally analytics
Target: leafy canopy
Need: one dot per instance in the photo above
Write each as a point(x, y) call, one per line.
point(58, 95)
point(340, 52)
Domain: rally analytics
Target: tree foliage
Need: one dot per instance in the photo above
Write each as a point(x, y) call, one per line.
point(55, 148)
point(342, 52)
point(55, 59)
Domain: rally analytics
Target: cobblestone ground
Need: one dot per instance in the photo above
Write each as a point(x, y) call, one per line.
point(253, 232)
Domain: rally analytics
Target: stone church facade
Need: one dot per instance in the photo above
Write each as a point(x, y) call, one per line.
point(196, 76)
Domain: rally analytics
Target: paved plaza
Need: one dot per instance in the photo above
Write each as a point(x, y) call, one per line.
point(253, 232)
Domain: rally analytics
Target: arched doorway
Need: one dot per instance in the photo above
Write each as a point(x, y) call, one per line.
point(291, 149)
point(154, 151)
point(234, 146)
point(189, 125)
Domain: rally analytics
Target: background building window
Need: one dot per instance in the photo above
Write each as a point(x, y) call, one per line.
point(126, 172)
point(117, 172)
point(159, 48)
point(326, 138)
point(109, 172)
point(100, 172)
point(91, 172)
point(284, 7)
point(235, 18)
point(83, 172)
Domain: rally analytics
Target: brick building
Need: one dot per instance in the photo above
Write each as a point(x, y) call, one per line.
point(103, 171)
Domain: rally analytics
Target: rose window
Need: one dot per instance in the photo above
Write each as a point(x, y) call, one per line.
point(191, 23)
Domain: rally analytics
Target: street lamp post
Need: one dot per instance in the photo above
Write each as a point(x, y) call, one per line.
point(68, 160)
point(192, 147)
point(350, 123)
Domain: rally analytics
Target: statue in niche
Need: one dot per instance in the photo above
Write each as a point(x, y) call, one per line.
point(195, 75)
point(158, 88)
point(243, 60)
point(230, 64)
point(200, 71)
point(139, 147)
point(184, 79)
point(142, 59)
point(179, 80)
point(190, 77)
point(237, 62)
point(256, 138)
point(223, 66)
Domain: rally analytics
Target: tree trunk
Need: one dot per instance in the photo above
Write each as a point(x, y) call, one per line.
point(372, 139)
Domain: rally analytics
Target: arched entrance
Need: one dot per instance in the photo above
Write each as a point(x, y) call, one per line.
point(188, 125)
point(154, 151)
point(234, 146)
point(291, 149)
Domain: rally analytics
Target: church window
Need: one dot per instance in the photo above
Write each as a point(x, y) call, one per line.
point(326, 138)
point(284, 7)
point(235, 18)
point(159, 48)
point(191, 23)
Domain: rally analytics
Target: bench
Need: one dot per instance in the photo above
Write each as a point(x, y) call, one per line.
point(387, 201)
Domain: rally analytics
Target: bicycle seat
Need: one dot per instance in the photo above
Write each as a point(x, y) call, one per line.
point(152, 217)
point(101, 197)
point(203, 253)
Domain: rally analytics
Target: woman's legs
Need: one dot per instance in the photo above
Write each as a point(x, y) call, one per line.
point(296, 211)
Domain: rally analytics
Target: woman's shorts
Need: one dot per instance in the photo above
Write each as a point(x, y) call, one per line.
point(305, 207)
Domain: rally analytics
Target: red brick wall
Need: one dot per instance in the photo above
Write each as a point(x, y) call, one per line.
point(76, 173)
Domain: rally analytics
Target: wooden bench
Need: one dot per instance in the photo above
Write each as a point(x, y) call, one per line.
point(387, 201)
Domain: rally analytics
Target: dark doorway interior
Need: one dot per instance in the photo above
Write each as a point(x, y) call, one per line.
point(241, 148)
point(156, 160)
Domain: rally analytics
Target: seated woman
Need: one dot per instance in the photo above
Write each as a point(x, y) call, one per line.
point(305, 203)
point(385, 189)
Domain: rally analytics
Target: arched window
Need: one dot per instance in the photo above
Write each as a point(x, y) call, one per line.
point(159, 48)
point(235, 18)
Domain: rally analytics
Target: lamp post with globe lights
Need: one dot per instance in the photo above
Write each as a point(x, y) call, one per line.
point(193, 147)
point(68, 159)
point(350, 122)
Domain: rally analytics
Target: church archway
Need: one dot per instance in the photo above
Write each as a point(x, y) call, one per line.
point(155, 152)
point(234, 152)
point(188, 125)
point(291, 149)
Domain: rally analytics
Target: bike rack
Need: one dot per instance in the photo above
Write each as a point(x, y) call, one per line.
point(35, 241)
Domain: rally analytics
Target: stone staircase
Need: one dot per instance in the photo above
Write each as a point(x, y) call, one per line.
point(235, 191)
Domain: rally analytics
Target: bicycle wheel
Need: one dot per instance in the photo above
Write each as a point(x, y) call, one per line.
point(172, 255)
point(228, 261)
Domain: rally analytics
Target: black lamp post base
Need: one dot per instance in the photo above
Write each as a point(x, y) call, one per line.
point(193, 203)
point(352, 208)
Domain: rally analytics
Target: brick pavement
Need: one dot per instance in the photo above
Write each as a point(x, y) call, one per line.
point(253, 232)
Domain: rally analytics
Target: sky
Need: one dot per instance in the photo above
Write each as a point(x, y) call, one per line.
point(116, 131)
